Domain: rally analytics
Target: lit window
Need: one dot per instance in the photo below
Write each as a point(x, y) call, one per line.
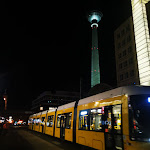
point(68, 117)
point(96, 120)
point(117, 118)
point(58, 121)
point(50, 121)
point(83, 120)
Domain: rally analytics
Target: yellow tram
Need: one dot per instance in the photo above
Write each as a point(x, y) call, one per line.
point(50, 121)
point(117, 119)
point(64, 122)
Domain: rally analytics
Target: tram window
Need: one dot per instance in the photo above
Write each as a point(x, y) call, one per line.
point(50, 121)
point(139, 110)
point(68, 120)
point(96, 119)
point(83, 120)
point(58, 121)
point(33, 121)
point(108, 120)
point(92, 121)
point(37, 121)
point(30, 121)
point(117, 118)
point(43, 121)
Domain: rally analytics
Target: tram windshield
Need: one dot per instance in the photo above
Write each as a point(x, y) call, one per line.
point(139, 114)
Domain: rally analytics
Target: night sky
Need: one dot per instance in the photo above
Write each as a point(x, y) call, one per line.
point(47, 46)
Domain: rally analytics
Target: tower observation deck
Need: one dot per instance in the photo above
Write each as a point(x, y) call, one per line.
point(94, 17)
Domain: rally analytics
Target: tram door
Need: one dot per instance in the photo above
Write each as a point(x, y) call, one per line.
point(43, 124)
point(112, 126)
point(32, 123)
point(62, 127)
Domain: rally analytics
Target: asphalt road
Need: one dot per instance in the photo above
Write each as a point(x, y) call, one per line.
point(24, 139)
point(10, 139)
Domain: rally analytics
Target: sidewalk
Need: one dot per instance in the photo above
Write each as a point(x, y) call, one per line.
point(36, 142)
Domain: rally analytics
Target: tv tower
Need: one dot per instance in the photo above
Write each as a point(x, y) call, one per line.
point(94, 17)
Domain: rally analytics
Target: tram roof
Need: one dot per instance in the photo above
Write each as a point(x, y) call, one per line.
point(69, 105)
point(129, 90)
point(52, 110)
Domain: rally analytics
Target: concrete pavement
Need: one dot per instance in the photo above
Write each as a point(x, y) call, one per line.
point(36, 142)
point(24, 139)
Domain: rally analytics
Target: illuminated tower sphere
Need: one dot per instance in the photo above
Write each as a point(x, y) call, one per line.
point(94, 17)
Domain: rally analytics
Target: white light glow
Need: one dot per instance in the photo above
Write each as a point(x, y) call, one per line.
point(83, 112)
point(93, 110)
point(41, 108)
point(95, 17)
point(94, 24)
point(99, 110)
point(51, 108)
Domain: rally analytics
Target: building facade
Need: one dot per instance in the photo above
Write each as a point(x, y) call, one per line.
point(125, 53)
point(142, 39)
point(53, 99)
point(148, 14)
point(132, 46)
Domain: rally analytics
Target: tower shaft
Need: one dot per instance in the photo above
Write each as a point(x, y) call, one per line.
point(95, 69)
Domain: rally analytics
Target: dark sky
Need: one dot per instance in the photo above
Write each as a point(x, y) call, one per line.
point(46, 45)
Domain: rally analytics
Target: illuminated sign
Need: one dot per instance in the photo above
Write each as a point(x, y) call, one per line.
point(148, 99)
point(83, 112)
point(142, 40)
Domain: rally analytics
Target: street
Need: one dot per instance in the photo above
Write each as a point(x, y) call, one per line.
point(23, 139)
point(10, 139)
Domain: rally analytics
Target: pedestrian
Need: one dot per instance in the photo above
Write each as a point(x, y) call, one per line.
point(5, 128)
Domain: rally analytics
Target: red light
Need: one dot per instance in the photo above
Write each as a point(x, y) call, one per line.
point(94, 70)
point(102, 110)
point(106, 130)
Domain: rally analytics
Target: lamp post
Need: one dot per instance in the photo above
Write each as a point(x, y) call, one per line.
point(5, 99)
